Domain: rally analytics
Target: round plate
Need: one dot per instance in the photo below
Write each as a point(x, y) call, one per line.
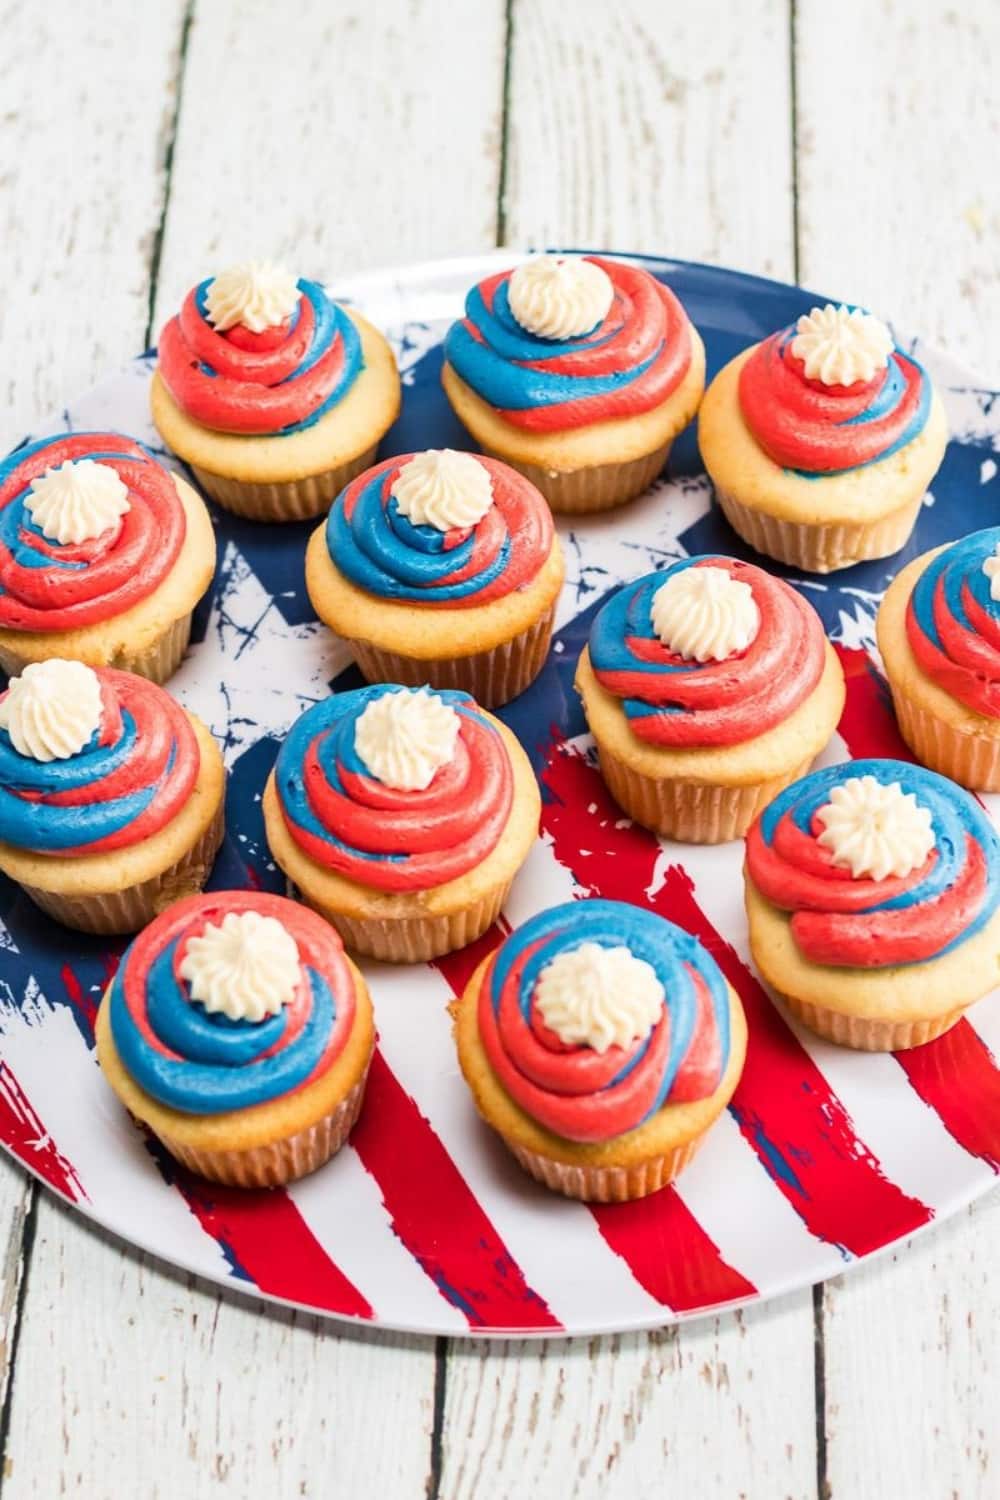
point(423, 1222)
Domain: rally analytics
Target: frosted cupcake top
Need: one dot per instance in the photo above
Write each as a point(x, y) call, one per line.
point(91, 759)
point(231, 999)
point(395, 788)
point(596, 1014)
point(257, 352)
point(831, 392)
point(440, 528)
point(953, 621)
point(563, 341)
point(90, 524)
point(710, 651)
point(878, 862)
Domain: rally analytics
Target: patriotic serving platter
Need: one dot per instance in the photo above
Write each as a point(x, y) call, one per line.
point(423, 1222)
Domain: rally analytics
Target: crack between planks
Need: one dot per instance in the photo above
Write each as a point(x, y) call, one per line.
point(28, 1228)
point(823, 1491)
point(168, 169)
point(793, 91)
point(508, 51)
point(432, 1489)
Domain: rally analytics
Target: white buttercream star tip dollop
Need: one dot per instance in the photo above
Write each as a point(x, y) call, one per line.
point(991, 567)
point(598, 997)
point(53, 710)
point(841, 345)
point(559, 296)
point(875, 830)
point(76, 502)
point(444, 489)
point(255, 293)
point(245, 967)
point(705, 614)
point(403, 738)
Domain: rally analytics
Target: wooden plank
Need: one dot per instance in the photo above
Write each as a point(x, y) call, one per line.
point(898, 114)
point(644, 126)
point(17, 1212)
point(132, 1380)
point(335, 137)
point(87, 103)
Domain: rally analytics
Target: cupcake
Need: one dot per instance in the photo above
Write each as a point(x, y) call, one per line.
point(402, 817)
point(872, 893)
point(821, 441)
point(939, 635)
point(111, 796)
point(274, 394)
point(578, 371)
point(707, 687)
point(103, 556)
point(601, 1042)
point(440, 568)
point(237, 1029)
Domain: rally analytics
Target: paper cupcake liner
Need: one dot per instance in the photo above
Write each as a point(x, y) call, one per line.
point(820, 549)
point(970, 759)
point(414, 940)
point(867, 1034)
point(156, 662)
point(605, 1184)
point(599, 487)
point(293, 500)
point(110, 912)
point(692, 812)
point(492, 677)
point(281, 1161)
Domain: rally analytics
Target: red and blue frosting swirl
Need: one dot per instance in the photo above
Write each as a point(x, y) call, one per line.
point(817, 429)
point(278, 381)
point(670, 701)
point(386, 554)
point(205, 1063)
point(630, 362)
point(135, 774)
point(953, 623)
point(45, 585)
point(573, 1090)
point(865, 923)
point(349, 821)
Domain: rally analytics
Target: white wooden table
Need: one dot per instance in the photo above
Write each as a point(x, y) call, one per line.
point(852, 146)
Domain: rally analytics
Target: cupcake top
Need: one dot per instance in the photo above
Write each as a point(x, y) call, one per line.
point(90, 524)
point(91, 759)
point(565, 340)
point(831, 392)
point(440, 528)
point(710, 651)
point(953, 621)
point(231, 999)
point(879, 863)
point(254, 351)
point(396, 788)
point(596, 1014)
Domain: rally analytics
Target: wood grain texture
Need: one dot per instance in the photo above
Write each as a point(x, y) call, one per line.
point(81, 169)
point(688, 1411)
point(136, 1381)
point(655, 127)
point(17, 1205)
point(336, 137)
point(898, 125)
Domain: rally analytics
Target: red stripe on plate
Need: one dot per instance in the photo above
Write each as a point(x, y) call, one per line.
point(425, 1194)
point(266, 1240)
point(23, 1132)
point(956, 1075)
point(784, 1106)
point(658, 1238)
